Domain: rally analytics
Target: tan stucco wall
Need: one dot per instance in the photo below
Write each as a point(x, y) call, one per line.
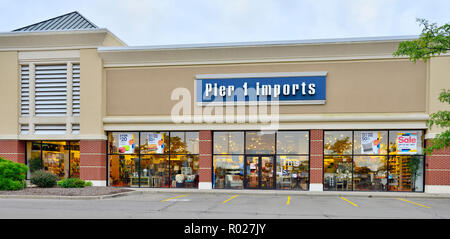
point(439, 79)
point(91, 97)
point(368, 86)
point(9, 94)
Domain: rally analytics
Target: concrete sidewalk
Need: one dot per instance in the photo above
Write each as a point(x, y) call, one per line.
point(240, 192)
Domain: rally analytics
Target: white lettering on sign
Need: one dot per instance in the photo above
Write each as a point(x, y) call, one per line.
point(261, 89)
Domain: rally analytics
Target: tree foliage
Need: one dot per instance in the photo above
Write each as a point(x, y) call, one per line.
point(434, 40)
point(441, 119)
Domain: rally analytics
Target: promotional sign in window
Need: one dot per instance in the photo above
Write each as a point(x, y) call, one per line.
point(250, 88)
point(370, 142)
point(406, 143)
point(155, 143)
point(126, 143)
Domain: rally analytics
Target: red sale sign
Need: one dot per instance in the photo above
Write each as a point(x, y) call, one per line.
point(406, 143)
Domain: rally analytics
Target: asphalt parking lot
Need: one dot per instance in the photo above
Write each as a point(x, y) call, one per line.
point(187, 205)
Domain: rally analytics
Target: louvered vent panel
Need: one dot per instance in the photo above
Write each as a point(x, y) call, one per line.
point(50, 129)
point(24, 90)
point(76, 90)
point(24, 129)
point(51, 90)
point(75, 129)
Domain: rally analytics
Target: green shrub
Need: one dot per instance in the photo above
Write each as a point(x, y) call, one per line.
point(43, 179)
point(71, 183)
point(88, 184)
point(12, 175)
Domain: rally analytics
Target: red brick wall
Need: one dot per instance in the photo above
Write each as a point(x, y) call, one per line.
point(13, 150)
point(205, 155)
point(93, 159)
point(437, 167)
point(316, 156)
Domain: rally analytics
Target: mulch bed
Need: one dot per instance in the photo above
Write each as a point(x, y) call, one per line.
point(57, 191)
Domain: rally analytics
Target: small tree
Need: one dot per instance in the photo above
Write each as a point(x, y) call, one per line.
point(433, 41)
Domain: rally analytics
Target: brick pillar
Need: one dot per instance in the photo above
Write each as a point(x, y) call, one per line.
point(93, 161)
point(205, 159)
point(316, 160)
point(13, 150)
point(437, 170)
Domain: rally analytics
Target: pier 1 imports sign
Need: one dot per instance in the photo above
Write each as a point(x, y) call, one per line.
point(248, 88)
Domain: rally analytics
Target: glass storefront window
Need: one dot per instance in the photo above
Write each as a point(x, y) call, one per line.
point(155, 171)
point(123, 142)
point(406, 173)
point(61, 158)
point(337, 173)
point(406, 142)
point(74, 159)
point(228, 142)
point(260, 142)
point(153, 159)
point(184, 171)
point(292, 172)
point(123, 170)
point(292, 142)
point(154, 142)
point(228, 171)
point(184, 142)
point(370, 142)
point(370, 173)
point(34, 158)
point(338, 142)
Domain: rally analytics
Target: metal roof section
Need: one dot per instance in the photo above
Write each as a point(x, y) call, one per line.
point(69, 21)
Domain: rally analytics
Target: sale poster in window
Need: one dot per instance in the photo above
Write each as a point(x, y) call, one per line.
point(370, 142)
point(406, 143)
point(126, 143)
point(155, 143)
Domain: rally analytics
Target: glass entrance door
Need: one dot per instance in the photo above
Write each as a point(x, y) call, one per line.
point(259, 173)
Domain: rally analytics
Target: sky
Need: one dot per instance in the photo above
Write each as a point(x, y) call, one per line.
point(168, 22)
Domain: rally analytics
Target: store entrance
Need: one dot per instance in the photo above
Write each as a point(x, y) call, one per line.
point(259, 172)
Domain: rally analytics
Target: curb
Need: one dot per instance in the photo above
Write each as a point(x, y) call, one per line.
point(99, 197)
point(240, 192)
point(299, 193)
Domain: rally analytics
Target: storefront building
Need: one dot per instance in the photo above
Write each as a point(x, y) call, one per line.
point(313, 115)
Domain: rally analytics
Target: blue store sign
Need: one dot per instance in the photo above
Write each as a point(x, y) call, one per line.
point(286, 87)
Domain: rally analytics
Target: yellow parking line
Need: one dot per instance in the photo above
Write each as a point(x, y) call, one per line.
point(174, 198)
point(413, 203)
point(345, 199)
point(230, 198)
point(289, 200)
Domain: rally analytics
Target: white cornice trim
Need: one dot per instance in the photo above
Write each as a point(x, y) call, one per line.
point(281, 126)
point(261, 43)
point(382, 117)
point(259, 60)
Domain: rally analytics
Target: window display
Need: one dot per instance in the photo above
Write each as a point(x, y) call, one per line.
point(153, 159)
point(123, 143)
point(123, 170)
point(228, 171)
point(184, 171)
point(337, 173)
point(370, 173)
point(61, 158)
point(376, 160)
point(271, 160)
point(292, 172)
